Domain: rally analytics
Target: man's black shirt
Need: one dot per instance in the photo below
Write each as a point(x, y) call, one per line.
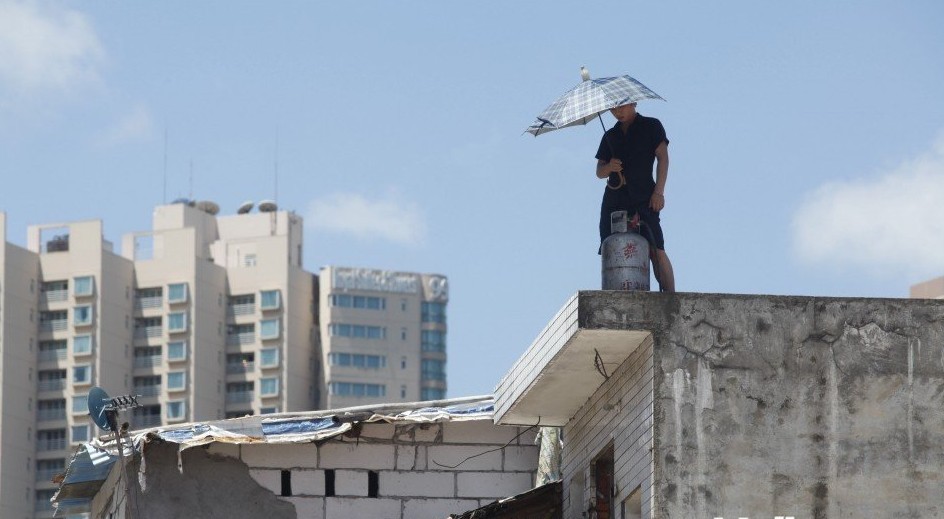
point(637, 150)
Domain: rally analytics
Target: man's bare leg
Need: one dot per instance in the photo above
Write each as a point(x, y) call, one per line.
point(663, 271)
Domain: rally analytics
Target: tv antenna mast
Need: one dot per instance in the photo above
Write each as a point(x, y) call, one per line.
point(104, 412)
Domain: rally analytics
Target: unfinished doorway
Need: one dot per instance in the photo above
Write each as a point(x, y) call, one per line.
point(601, 506)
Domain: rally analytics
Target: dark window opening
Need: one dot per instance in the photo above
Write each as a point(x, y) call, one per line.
point(286, 483)
point(373, 483)
point(329, 483)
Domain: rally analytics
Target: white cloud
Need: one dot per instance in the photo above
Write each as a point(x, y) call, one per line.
point(46, 47)
point(894, 221)
point(388, 218)
point(136, 124)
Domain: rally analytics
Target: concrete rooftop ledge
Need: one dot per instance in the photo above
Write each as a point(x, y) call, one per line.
point(558, 372)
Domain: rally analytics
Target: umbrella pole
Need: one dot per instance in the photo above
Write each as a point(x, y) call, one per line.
point(621, 179)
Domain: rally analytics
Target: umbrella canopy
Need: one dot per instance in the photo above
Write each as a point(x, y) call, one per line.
point(588, 99)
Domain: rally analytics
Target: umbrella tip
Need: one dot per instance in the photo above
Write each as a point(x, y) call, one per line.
point(584, 74)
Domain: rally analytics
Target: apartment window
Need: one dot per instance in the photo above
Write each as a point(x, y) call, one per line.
point(269, 329)
point(402, 334)
point(269, 357)
point(434, 312)
point(83, 286)
point(82, 315)
point(433, 369)
point(270, 299)
point(429, 393)
point(357, 331)
point(82, 374)
point(82, 345)
point(177, 350)
point(80, 404)
point(402, 391)
point(433, 340)
point(176, 380)
point(363, 302)
point(176, 409)
point(357, 389)
point(268, 410)
point(269, 387)
point(403, 305)
point(357, 360)
point(177, 322)
point(177, 293)
point(402, 362)
point(80, 433)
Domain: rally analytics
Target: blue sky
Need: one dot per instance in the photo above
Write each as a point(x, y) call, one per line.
point(807, 138)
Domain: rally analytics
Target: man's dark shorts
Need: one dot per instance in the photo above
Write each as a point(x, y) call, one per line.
point(650, 226)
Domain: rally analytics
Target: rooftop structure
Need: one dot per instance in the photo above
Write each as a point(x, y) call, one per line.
point(403, 461)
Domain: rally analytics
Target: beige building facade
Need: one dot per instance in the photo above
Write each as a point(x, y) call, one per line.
point(383, 336)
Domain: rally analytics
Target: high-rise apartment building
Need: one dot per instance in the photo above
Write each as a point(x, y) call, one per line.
point(383, 336)
point(204, 317)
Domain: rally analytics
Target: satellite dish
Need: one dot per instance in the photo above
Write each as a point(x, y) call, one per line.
point(268, 206)
point(98, 400)
point(245, 207)
point(208, 207)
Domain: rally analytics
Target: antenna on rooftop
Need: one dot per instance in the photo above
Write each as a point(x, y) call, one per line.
point(104, 412)
point(191, 179)
point(276, 193)
point(164, 200)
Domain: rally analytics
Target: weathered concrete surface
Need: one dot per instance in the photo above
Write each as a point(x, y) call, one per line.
point(212, 486)
point(776, 406)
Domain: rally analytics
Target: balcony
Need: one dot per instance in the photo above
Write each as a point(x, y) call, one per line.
point(57, 325)
point(55, 384)
point(148, 332)
point(237, 368)
point(48, 474)
point(54, 296)
point(145, 422)
point(50, 415)
point(146, 303)
point(238, 339)
point(240, 397)
point(151, 390)
point(50, 355)
point(148, 361)
point(241, 309)
point(53, 444)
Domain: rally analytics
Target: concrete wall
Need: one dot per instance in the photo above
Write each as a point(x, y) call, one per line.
point(412, 463)
point(788, 406)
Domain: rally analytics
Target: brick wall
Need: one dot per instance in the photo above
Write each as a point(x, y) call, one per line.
point(421, 470)
point(619, 414)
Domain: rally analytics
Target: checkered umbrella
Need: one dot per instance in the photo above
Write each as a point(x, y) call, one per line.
point(587, 100)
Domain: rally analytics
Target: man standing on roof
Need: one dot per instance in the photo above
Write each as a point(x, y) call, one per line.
point(625, 158)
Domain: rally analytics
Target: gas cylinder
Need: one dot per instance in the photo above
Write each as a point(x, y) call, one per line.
point(625, 255)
